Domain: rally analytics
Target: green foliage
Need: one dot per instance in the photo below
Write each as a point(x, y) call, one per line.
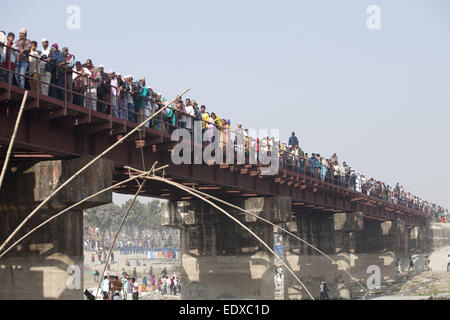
point(141, 217)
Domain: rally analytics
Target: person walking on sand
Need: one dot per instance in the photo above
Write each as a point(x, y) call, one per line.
point(448, 263)
point(426, 262)
point(323, 291)
point(399, 265)
point(411, 264)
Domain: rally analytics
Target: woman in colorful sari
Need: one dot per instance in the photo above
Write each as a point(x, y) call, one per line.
point(152, 281)
point(217, 121)
point(144, 283)
point(168, 117)
point(141, 101)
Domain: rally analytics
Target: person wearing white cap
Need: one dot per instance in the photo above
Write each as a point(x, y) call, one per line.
point(114, 85)
point(45, 76)
point(24, 46)
point(80, 78)
point(91, 89)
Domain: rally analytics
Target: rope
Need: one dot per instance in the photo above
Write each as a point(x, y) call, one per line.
point(83, 169)
point(70, 208)
point(353, 278)
point(121, 224)
point(194, 193)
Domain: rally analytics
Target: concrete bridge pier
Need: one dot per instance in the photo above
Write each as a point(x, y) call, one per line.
point(48, 264)
point(360, 245)
point(221, 260)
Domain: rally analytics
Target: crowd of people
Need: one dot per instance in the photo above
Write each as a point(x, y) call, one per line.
point(94, 88)
point(333, 171)
point(126, 287)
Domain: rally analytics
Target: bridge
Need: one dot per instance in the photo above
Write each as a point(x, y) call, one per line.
point(56, 138)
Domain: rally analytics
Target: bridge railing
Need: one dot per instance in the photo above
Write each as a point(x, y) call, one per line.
point(116, 106)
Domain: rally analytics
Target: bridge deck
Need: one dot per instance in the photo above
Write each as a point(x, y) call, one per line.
point(56, 129)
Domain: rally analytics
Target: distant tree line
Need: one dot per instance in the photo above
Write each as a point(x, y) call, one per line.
point(142, 217)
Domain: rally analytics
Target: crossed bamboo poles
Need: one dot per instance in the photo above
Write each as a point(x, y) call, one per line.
point(121, 140)
point(150, 175)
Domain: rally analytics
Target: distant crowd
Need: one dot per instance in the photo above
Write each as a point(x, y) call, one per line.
point(333, 171)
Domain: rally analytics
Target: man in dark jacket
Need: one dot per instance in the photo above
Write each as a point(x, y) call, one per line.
point(56, 59)
point(293, 141)
point(103, 90)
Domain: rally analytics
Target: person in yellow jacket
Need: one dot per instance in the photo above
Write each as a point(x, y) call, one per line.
point(217, 121)
point(205, 118)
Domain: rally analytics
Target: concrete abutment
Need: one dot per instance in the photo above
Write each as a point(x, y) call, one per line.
point(44, 265)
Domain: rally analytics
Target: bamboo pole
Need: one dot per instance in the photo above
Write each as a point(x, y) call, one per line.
point(182, 187)
point(11, 143)
point(72, 207)
point(83, 169)
point(284, 230)
point(121, 224)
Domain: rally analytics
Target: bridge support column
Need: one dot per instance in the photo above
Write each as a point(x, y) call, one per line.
point(338, 236)
point(396, 237)
point(49, 263)
point(417, 238)
point(220, 260)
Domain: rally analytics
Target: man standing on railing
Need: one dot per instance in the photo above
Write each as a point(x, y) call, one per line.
point(44, 75)
point(334, 158)
point(23, 45)
point(68, 64)
point(293, 141)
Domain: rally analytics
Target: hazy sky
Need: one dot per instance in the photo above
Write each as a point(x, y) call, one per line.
point(380, 99)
